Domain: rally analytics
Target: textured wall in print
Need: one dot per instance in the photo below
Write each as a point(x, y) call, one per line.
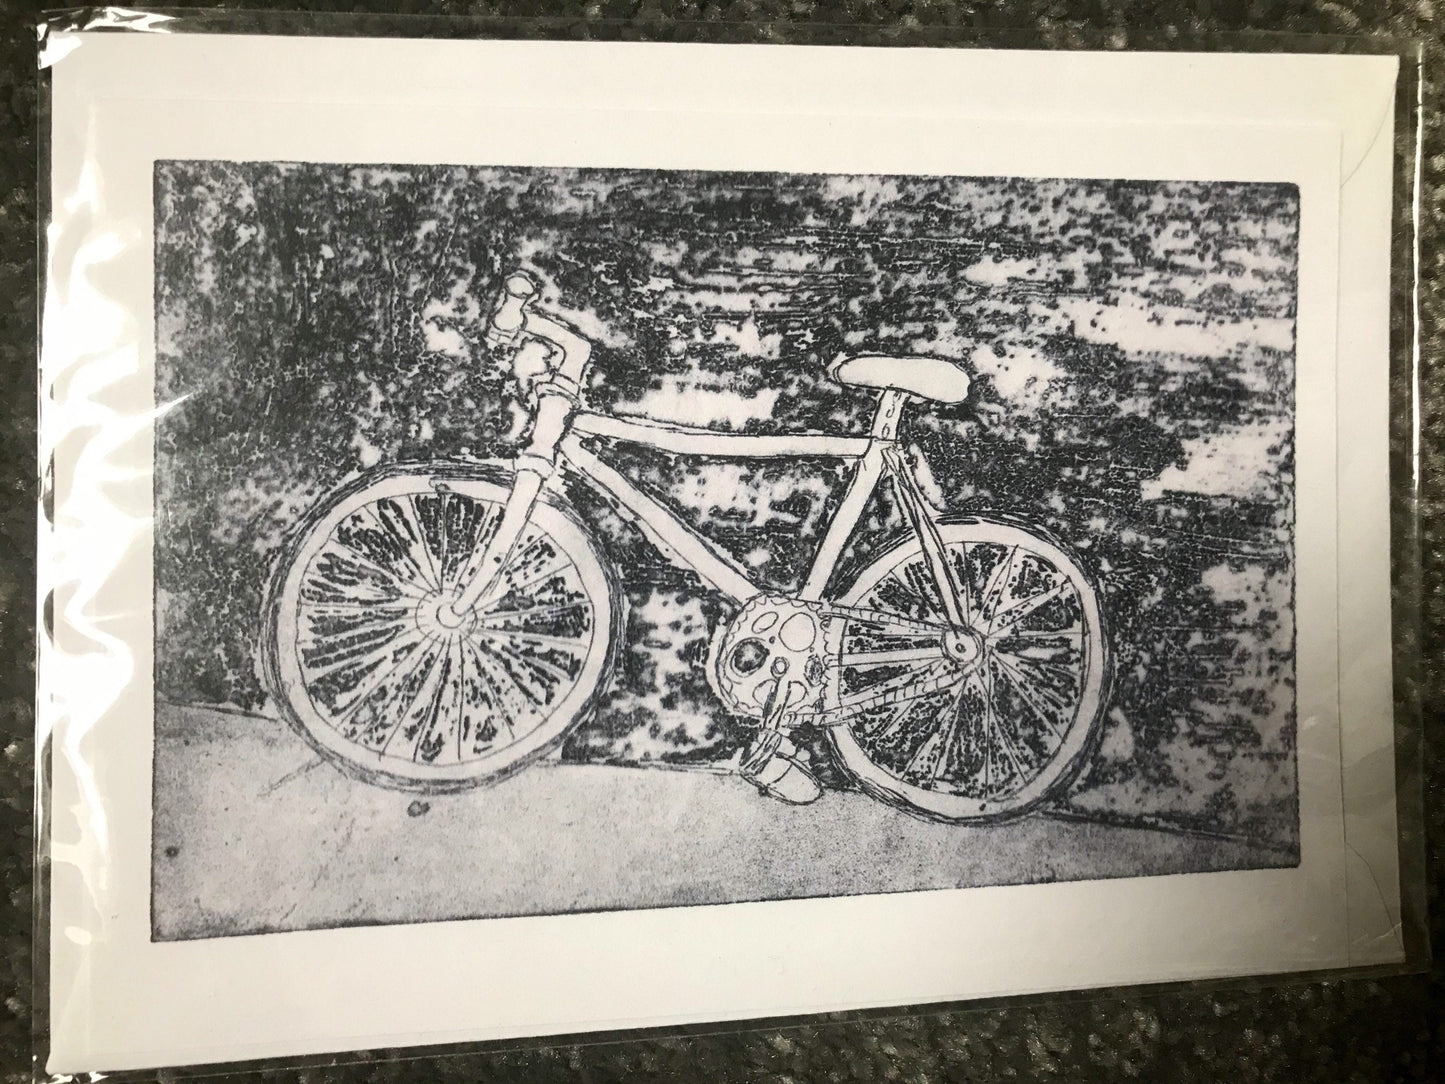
point(1131, 343)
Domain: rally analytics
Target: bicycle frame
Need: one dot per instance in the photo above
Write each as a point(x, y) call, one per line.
point(559, 424)
point(689, 548)
point(558, 432)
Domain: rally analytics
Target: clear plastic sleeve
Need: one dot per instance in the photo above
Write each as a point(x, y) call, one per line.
point(589, 529)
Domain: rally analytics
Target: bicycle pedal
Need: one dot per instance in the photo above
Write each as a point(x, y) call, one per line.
point(783, 778)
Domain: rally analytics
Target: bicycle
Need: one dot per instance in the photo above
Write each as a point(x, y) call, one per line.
point(440, 626)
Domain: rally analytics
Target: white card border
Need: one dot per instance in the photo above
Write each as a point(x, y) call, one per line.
point(120, 101)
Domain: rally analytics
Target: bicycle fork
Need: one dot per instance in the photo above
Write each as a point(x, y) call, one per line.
point(512, 319)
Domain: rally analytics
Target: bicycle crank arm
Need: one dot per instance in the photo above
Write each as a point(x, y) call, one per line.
point(772, 763)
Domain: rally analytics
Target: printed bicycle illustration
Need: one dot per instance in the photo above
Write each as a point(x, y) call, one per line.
point(440, 626)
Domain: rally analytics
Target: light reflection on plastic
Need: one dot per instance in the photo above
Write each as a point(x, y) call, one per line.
point(54, 46)
point(148, 22)
point(87, 189)
point(58, 38)
point(89, 345)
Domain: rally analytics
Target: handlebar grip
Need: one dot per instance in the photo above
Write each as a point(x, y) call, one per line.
point(509, 314)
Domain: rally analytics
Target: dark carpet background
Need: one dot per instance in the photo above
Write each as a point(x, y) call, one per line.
point(1390, 1028)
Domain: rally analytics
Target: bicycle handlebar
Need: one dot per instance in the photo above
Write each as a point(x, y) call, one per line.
point(509, 316)
point(512, 317)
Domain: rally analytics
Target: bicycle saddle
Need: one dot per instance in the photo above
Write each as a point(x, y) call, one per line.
point(927, 377)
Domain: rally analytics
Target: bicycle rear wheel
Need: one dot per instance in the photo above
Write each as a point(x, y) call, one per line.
point(978, 724)
point(366, 661)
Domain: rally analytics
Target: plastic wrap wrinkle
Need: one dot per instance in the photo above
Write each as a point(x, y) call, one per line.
point(58, 35)
point(82, 437)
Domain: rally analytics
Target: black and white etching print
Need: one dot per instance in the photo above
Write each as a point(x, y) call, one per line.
point(533, 541)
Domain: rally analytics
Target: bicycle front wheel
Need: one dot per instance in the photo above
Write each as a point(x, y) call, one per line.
point(980, 723)
point(367, 661)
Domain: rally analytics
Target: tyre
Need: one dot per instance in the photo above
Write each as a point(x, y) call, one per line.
point(366, 660)
point(978, 724)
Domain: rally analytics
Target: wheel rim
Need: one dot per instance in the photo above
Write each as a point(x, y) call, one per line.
point(380, 672)
point(981, 723)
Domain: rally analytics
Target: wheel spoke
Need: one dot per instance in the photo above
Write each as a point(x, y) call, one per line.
point(925, 747)
point(913, 589)
point(903, 684)
point(939, 736)
point(507, 581)
point(898, 655)
point(378, 726)
point(443, 537)
point(340, 611)
point(486, 674)
point(365, 658)
point(425, 690)
point(971, 735)
point(1058, 662)
point(1039, 700)
point(564, 642)
point(355, 558)
point(987, 746)
point(997, 581)
point(1020, 610)
point(536, 578)
point(413, 524)
point(481, 519)
point(512, 571)
point(919, 580)
point(396, 532)
point(324, 637)
point(533, 612)
point(526, 680)
point(955, 728)
point(557, 673)
point(429, 718)
point(380, 677)
point(888, 620)
point(1051, 671)
point(1026, 695)
point(895, 719)
point(962, 578)
point(569, 625)
point(461, 708)
point(1040, 634)
point(438, 725)
point(998, 727)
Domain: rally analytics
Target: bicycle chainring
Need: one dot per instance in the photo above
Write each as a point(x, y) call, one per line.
point(775, 646)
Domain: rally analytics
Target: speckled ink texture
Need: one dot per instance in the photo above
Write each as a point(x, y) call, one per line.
point(1130, 347)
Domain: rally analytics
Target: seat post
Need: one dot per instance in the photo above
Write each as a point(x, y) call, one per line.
point(890, 409)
